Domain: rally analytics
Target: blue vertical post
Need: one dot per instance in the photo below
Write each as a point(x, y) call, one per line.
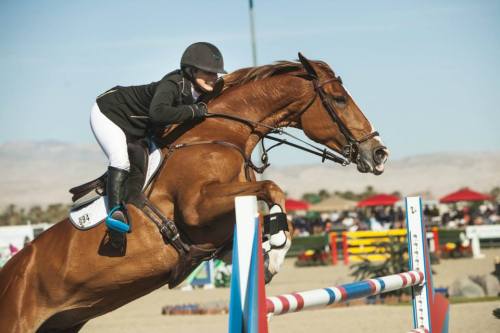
point(252, 33)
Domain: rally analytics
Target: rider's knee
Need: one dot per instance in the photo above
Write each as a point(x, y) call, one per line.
point(119, 161)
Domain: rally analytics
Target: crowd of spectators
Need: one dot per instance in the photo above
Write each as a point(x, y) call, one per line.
point(393, 217)
point(487, 213)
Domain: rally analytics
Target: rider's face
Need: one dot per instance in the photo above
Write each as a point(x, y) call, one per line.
point(205, 80)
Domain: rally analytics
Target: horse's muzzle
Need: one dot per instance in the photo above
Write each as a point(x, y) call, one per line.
point(372, 160)
point(380, 156)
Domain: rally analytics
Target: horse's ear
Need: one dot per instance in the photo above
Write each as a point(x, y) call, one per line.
point(307, 66)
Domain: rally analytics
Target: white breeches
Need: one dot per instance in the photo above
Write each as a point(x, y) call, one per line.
point(111, 139)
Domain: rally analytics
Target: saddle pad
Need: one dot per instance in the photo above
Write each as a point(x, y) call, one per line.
point(94, 212)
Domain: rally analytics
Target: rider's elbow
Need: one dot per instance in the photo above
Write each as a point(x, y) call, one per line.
point(159, 116)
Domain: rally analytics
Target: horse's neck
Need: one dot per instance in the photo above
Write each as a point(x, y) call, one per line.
point(266, 102)
point(263, 102)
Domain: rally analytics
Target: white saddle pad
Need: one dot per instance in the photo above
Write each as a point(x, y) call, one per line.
point(93, 213)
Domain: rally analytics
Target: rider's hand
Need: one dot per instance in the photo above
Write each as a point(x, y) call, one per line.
point(199, 110)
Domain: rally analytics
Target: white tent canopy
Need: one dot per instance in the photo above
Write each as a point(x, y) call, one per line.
point(333, 203)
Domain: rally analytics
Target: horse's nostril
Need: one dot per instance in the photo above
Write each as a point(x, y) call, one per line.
point(380, 155)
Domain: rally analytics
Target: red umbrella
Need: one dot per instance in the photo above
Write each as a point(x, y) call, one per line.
point(13, 250)
point(379, 200)
point(291, 204)
point(464, 194)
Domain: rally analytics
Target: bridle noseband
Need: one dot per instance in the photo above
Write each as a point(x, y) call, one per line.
point(351, 149)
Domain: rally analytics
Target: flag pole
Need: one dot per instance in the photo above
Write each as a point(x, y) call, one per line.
point(254, 60)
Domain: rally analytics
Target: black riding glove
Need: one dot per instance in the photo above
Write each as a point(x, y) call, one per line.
point(199, 110)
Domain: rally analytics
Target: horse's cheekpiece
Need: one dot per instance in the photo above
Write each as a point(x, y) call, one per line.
point(92, 210)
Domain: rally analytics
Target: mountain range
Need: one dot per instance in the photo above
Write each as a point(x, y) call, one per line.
point(40, 173)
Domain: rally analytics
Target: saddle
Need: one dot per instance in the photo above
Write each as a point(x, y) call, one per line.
point(97, 185)
point(141, 175)
point(138, 153)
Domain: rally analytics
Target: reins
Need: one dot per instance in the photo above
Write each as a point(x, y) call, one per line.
point(324, 153)
point(344, 156)
point(248, 161)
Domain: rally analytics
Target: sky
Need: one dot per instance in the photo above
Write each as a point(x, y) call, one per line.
point(426, 73)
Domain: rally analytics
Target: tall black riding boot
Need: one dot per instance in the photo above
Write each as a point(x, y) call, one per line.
point(117, 220)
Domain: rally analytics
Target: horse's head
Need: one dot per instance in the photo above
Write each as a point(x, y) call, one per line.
point(307, 95)
point(332, 118)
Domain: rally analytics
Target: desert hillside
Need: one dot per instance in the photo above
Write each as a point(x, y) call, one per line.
point(42, 173)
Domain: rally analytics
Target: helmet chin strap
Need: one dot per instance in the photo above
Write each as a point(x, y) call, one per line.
point(188, 72)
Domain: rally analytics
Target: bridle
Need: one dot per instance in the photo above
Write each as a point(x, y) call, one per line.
point(351, 149)
point(344, 156)
point(347, 154)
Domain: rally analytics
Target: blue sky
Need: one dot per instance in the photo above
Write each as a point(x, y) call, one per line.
point(427, 73)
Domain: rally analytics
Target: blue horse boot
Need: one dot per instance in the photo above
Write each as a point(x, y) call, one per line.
point(116, 221)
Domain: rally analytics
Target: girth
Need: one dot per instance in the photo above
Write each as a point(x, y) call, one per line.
point(190, 256)
point(167, 227)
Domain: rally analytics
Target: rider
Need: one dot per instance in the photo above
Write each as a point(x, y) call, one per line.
point(125, 114)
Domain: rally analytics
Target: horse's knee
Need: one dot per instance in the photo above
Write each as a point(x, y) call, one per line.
point(270, 186)
point(273, 193)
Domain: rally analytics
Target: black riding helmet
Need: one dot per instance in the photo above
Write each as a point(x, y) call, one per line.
point(204, 56)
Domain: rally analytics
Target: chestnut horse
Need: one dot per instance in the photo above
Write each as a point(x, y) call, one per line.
point(63, 279)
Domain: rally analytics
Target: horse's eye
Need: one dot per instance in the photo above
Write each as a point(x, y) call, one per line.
point(339, 100)
point(341, 105)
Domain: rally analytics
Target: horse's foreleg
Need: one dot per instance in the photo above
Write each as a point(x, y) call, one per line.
point(218, 200)
point(73, 329)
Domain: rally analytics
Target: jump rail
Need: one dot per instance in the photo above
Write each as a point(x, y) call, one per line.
point(360, 245)
point(295, 302)
point(249, 307)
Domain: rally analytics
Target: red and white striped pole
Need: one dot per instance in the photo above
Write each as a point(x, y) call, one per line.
point(249, 305)
point(295, 302)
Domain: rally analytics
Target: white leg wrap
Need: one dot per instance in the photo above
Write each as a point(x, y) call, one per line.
point(277, 246)
point(277, 257)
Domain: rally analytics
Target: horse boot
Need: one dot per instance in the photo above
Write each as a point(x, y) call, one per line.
point(116, 221)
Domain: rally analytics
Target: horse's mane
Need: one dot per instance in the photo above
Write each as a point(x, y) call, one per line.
point(241, 77)
point(245, 75)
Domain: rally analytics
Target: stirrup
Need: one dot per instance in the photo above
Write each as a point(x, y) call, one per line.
point(115, 224)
